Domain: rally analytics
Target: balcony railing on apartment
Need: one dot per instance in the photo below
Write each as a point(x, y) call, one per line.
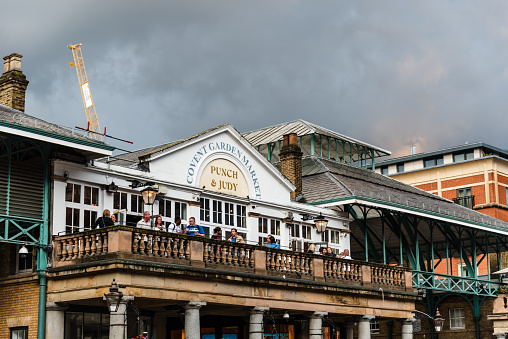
point(467, 201)
point(148, 245)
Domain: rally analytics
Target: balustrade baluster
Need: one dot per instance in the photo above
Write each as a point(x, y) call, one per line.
point(207, 252)
point(149, 245)
point(135, 242)
point(156, 240)
point(87, 245)
point(187, 249)
point(93, 247)
point(142, 244)
point(99, 243)
point(105, 242)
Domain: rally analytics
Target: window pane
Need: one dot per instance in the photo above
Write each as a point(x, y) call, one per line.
point(470, 155)
point(400, 168)
point(141, 203)
point(183, 212)
point(86, 224)
point(95, 196)
point(77, 194)
point(162, 206)
point(68, 192)
point(116, 200)
point(68, 216)
point(168, 208)
point(134, 203)
point(87, 198)
point(123, 201)
point(429, 162)
point(75, 219)
point(439, 161)
point(458, 157)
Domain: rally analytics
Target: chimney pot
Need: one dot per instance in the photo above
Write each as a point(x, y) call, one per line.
point(13, 83)
point(291, 162)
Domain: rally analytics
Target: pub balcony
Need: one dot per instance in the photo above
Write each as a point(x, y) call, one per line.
point(152, 247)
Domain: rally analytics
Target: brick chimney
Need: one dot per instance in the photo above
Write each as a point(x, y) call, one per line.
point(13, 83)
point(291, 162)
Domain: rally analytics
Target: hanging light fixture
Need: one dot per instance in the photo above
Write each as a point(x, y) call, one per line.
point(113, 297)
point(438, 321)
point(320, 223)
point(23, 252)
point(149, 195)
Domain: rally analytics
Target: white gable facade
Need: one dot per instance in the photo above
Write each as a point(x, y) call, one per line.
point(216, 177)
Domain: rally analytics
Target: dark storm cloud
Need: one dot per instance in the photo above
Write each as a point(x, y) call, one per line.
point(394, 74)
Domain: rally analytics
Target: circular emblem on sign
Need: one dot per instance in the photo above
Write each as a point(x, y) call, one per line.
point(221, 175)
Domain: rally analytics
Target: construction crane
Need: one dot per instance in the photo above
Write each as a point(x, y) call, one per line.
point(93, 128)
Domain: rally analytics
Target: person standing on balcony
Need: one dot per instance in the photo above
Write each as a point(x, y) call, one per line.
point(104, 221)
point(329, 253)
point(159, 224)
point(235, 237)
point(194, 229)
point(346, 255)
point(270, 242)
point(145, 222)
point(113, 217)
point(217, 233)
point(175, 227)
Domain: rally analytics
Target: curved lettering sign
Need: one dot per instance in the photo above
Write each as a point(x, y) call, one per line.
point(224, 147)
point(223, 176)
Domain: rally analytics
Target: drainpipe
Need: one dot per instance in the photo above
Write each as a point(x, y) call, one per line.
point(43, 248)
point(41, 323)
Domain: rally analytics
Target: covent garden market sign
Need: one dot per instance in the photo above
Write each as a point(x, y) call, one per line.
point(222, 175)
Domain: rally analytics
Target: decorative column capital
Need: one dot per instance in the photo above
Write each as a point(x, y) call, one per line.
point(259, 309)
point(367, 318)
point(194, 305)
point(51, 306)
point(318, 314)
point(407, 321)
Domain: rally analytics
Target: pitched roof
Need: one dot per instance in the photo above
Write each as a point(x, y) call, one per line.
point(13, 119)
point(131, 159)
point(300, 127)
point(333, 181)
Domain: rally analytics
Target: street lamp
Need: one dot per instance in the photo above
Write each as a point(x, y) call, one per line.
point(438, 322)
point(149, 195)
point(320, 222)
point(113, 297)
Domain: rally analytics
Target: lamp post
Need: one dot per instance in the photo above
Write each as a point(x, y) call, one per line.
point(113, 297)
point(438, 323)
point(149, 195)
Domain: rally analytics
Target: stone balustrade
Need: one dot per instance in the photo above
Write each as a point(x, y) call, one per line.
point(149, 245)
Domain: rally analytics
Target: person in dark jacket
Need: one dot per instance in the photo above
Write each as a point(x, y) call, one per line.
point(217, 233)
point(104, 221)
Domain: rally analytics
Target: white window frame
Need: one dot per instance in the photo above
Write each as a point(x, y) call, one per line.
point(374, 327)
point(454, 318)
point(94, 209)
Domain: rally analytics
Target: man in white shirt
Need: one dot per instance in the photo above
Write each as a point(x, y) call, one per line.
point(145, 222)
point(346, 255)
point(175, 227)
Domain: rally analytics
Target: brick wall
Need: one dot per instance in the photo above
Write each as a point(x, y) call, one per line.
point(428, 187)
point(469, 180)
point(486, 327)
point(19, 307)
point(19, 295)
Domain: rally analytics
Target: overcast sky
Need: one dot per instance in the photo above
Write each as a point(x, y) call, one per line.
point(430, 74)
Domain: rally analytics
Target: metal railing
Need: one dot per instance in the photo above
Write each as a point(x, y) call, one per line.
point(467, 201)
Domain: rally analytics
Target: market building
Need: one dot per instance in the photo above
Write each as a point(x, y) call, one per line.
point(280, 181)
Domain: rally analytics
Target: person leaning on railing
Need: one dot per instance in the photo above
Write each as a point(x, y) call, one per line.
point(104, 221)
point(271, 242)
point(235, 237)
